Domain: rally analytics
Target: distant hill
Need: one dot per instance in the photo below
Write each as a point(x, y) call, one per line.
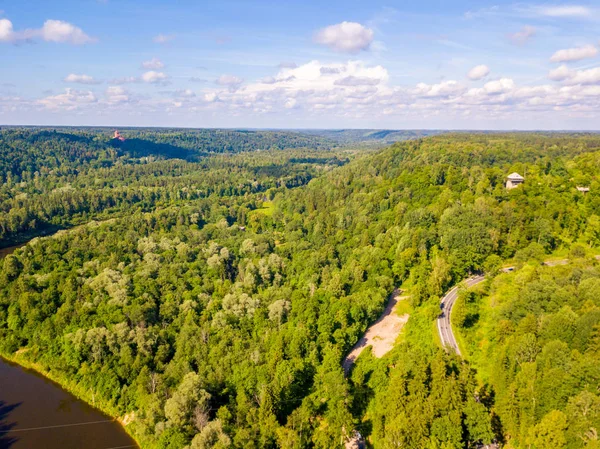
point(370, 136)
point(38, 149)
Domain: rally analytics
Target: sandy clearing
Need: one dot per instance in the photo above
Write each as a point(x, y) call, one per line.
point(382, 334)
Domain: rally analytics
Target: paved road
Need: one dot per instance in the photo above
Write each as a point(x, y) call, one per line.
point(443, 321)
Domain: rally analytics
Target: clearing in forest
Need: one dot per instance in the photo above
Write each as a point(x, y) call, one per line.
point(382, 334)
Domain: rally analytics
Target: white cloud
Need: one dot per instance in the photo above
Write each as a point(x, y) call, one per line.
point(153, 64)
point(575, 77)
point(6, 30)
point(210, 97)
point(523, 36)
point(163, 38)
point(69, 100)
point(64, 32)
point(80, 79)
point(345, 37)
point(352, 90)
point(443, 89)
point(52, 31)
point(356, 81)
point(574, 54)
point(116, 95)
point(499, 86)
point(590, 76)
point(154, 77)
point(565, 11)
point(478, 72)
point(561, 73)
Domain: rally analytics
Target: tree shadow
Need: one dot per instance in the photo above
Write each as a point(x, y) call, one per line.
point(6, 441)
point(471, 320)
point(144, 148)
point(46, 134)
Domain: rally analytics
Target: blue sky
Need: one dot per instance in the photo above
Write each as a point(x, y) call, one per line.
point(301, 64)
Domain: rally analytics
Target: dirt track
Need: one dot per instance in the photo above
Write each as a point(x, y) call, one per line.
point(382, 334)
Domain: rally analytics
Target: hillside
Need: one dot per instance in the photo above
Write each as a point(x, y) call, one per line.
point(372, 137)
point(222, 319)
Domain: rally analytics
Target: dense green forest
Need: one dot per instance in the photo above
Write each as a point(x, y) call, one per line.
point(217, 310)
point(534, 338)
point(54, 179)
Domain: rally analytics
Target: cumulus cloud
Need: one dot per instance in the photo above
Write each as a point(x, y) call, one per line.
point(345, 37)
point(356, 81)
point(163, 38)
point(210, 97)
point(349, 90)
point(306, 86)
point(499, 86)
point(52, 31)
point(572, 77)
point(522, 36)
point(443, 89)
point(59, 31)
point(154, 77)
point(116, 95)
point(574, 54)
point(153, 64)
point(69, 100)
point(6, 31)
point(478, 72)
point(80, 79)
point(589, 76)
point(560, 73)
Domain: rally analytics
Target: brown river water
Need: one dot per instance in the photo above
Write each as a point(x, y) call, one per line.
point(35, 413)
point(9, 250)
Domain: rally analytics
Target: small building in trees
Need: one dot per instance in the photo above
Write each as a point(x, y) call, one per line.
point(514, 180)
point(583, 189)
point(118, 136)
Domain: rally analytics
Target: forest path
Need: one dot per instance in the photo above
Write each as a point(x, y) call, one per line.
point(382, 334)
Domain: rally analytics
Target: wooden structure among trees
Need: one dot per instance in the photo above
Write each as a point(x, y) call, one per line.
point(514, 180)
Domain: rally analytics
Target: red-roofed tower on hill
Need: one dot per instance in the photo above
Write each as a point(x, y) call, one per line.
point(118, 136)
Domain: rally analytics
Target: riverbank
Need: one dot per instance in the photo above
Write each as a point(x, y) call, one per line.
point(76, 391)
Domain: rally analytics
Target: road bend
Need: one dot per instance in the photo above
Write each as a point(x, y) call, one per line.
point(443, 322)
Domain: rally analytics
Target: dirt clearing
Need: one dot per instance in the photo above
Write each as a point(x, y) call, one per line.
point(382, 334)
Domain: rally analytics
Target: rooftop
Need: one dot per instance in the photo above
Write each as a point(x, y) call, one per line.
point(515, 175)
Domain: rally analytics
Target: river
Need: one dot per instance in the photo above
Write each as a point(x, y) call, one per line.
point(9, 250)
point(35, 413)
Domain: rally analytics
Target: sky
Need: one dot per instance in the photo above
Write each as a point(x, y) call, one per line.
point(458, 64)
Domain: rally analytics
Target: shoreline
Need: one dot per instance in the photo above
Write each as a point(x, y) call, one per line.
point(76, 391)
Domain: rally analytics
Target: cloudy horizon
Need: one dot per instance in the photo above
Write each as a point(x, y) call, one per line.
point(469, 65)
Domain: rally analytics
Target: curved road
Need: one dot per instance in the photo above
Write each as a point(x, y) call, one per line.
point(443, 321)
